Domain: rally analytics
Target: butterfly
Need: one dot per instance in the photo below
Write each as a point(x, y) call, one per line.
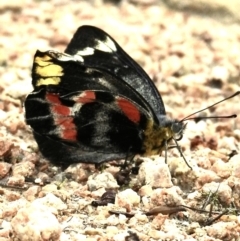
point(94, 103)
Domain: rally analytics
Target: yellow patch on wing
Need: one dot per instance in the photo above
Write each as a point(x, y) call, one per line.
point(48, 71)
point(48, 81)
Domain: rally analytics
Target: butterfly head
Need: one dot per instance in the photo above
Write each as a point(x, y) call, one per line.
point(158, 135)
point(175, 127)
point(178, 128)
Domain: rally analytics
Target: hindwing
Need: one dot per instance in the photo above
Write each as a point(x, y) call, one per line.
point(85, 121)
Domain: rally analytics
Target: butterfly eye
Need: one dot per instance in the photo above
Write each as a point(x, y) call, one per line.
point(178, 128)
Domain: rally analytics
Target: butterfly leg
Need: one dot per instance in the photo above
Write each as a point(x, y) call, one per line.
point(180, 151)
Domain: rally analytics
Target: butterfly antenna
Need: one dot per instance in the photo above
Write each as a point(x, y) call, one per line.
point(211, 117)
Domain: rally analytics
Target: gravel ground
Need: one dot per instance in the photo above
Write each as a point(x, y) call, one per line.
point(194, 61)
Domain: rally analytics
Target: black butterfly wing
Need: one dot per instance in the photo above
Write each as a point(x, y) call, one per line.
point(66, 74)
point(101, 51)
point(70, 128)
point(85, 126)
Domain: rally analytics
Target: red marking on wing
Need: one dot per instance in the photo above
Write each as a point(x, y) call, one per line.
point(70, 135)
point(53, 98)
point(61, 110)
point(62, 118)
point(85, 97)
point(57, 107)
point(67, 128)
point(129, 109)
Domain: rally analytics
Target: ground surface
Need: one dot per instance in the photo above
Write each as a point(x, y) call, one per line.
point(192, 52)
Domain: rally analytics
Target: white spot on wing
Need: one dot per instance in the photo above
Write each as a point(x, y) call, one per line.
point(86, 51)
point(76, 108)
point(66, 57)
point(77, 57)
point(106, 46)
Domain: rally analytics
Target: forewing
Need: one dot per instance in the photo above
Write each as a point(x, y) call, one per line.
point(100, 51)
point(65, 74)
